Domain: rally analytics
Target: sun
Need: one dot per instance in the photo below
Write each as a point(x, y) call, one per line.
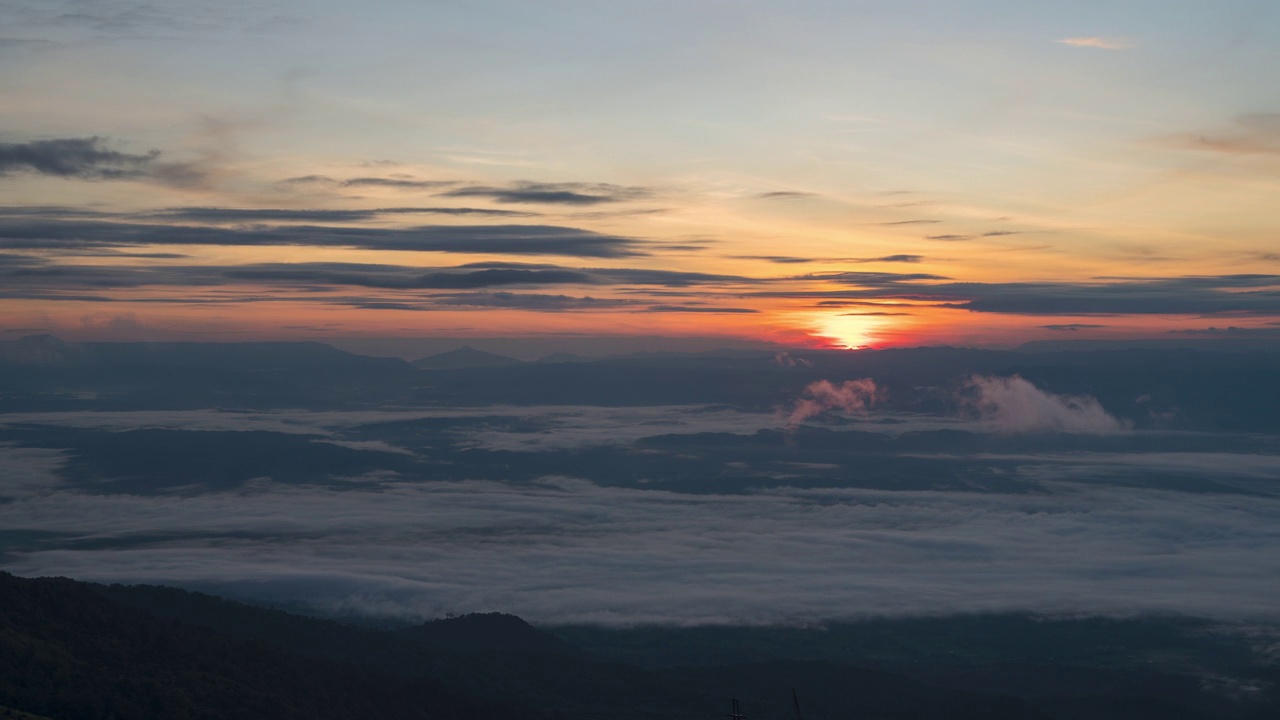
point(849, 330)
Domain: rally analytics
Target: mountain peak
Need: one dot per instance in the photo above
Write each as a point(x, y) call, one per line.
point(491, 631)
point(40, 349)
point(464, 357)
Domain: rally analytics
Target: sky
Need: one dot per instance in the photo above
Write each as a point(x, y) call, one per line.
point(822, 174)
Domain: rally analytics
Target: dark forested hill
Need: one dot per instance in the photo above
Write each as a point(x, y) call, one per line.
point(69, 653)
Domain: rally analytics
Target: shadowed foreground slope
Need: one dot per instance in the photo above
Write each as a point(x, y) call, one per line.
point(68, 653)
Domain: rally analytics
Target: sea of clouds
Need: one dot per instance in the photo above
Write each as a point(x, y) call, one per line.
point(565, 550)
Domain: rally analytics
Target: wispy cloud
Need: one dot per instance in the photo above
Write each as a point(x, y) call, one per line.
point(1101, 43)
point(1254, 134)
point(524, 301)
point(30, 277)
point(792, 260)
point(785, 195)
point(132, 18)
point(93, 158)
point(871, 279)
point(699, 309)
point(1243, 294)
point(260, 215)
point(1071, 327)
point(397, 182)
point(891, 259)
point(505, 239)
point(554, 193)
point(779, 259)
point(88, 158)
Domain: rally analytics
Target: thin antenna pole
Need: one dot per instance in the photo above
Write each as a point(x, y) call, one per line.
point(736, 713)
point(795, 701)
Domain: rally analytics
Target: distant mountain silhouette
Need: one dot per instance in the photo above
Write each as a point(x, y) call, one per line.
point(238, 356)
point(36, 350)
point(563, 357)
point(44, 373)
point(464, 357)
point(491, 631)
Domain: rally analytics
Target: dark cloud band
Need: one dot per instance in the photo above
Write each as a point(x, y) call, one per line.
point(1191, 295)
point(553, 193)
point(82, 158)
point(500, 239)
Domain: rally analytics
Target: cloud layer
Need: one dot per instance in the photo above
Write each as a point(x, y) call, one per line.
point(568, 551)
point(1077, 538)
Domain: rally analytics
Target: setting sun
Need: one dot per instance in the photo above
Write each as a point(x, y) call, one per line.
point(850, 330)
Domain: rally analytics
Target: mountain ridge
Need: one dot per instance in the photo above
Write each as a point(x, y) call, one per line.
point(464, 357)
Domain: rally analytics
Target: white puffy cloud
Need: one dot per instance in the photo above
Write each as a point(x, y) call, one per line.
point(1014, 405)
point(823, 396)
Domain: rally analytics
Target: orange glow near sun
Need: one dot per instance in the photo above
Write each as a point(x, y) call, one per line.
point(849, 330)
